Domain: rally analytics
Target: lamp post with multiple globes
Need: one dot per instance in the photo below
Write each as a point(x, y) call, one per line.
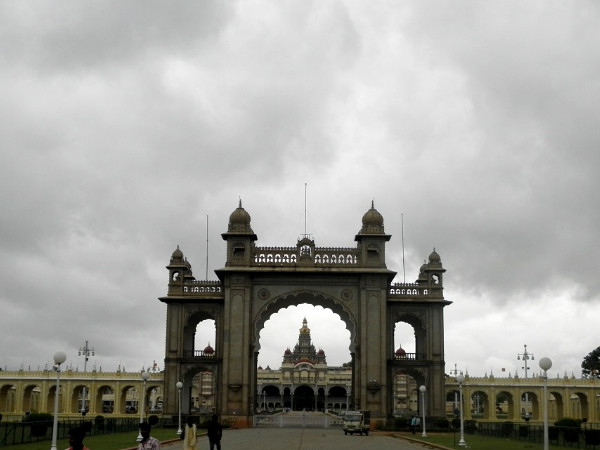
point(86, 352)
point(59, 358)
point(525, 356)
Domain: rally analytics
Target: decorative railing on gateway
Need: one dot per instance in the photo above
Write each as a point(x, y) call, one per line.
point(410, 357)
point(199, 354)
point(412, 290)
point(199, 287)
point(292, 256)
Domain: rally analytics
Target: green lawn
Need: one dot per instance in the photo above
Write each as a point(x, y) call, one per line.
point(101, 442)
point(476, 442)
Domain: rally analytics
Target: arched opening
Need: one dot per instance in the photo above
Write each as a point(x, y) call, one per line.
point(405, 392)
point(7, 398)
point(303, 345)
point(529, 408)
point(130, 397)
point(409, 338)
point(199, 391)
point(453, 403)
point(304, 398)
point(337, 399)
point(52, 395)
point(105, 399)
point(205, 338)
point(579, 405)
point(78, 402)
point(404, 341)
point(480, 405)
point(268, 398)
point(31, 398)
point(504, 406)
point(555, 405)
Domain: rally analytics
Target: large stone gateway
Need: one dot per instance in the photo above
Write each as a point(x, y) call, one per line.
point(257, 282)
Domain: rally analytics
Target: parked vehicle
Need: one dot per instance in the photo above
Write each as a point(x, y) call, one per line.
point(357, 422)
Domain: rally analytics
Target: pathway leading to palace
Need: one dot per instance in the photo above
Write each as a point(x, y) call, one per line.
point(301, 439)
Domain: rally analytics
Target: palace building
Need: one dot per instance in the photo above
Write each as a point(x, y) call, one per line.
point(305, 382)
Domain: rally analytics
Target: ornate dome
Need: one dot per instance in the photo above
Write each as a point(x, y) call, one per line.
point(434, 257)
point(239, 220)
point(287, 351)
point(372, 221)
point(321, 352)
point(400, 352)
point(177, 254)
point(208, 350)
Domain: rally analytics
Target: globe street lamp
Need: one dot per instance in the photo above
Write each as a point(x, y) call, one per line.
point(422, 388)
point(145, 376)
point(179, 385)
point(86, 352)
point(545, 364)
point(59, 358)
point(460, 378)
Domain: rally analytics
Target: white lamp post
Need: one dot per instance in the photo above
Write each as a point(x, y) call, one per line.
point(179, 385)
point(264, 393)
point(142, 402)
point(422, 388)
point(545, 364)
point(460, 378)
point(59, 358)
point(86, 352)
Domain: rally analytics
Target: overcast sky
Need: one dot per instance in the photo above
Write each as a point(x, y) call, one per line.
point(128, 127)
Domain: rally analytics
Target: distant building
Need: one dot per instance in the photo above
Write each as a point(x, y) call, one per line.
point(305, 382)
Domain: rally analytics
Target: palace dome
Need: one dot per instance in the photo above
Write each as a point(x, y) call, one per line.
point(239, 220)
point(208, 350)
point(434, 257)
point(372, 221)
point(177, 254)
point(400, 352)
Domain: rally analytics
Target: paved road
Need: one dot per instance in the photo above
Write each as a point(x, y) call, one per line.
point(301, 439)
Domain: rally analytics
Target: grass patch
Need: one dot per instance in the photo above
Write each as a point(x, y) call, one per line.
point(114, 441)
point(477, 442)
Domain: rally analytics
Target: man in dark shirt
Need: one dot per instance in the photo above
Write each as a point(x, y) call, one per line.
point(215, 432)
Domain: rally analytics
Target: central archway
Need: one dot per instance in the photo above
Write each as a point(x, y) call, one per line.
point(353, 282)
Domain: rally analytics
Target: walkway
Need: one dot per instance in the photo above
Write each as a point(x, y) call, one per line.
point(301, 439)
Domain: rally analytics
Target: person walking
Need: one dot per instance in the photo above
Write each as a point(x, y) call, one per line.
point(413, 424)
point(76, 436)
point(189, 437)
point(215, 432)
point(148, 442)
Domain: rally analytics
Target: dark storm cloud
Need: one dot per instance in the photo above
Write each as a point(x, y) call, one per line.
point(124, 125)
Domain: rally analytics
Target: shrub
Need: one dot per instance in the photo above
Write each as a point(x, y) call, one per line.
point(470, 426)
point(39, 423)
point(400, 422)
point(507, 428)
point(592, 437)
point(568, 422)
point(99, 422)
point(442, 423)
point(523, 431)
point(153, 420)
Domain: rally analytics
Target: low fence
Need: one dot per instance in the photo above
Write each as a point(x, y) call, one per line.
point(578, 437)
point(12, 433)
point(308, 420)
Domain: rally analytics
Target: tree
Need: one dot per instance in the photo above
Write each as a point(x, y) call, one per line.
point(591, 364)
